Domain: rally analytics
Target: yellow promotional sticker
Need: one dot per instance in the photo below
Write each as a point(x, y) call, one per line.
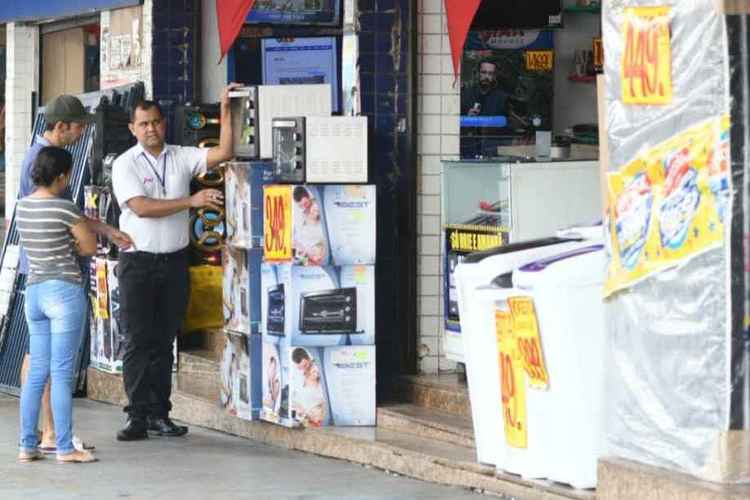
point(277, 223)
point(102, 290)
point(528, 341)
point(512, 382)
point(668, 204)
point(539, 60)
point(646, 69)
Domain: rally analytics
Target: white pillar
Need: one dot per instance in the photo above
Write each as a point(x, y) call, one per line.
point(22, 79)
point(213, 74)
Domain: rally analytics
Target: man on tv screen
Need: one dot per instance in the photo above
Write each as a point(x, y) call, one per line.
point(484, 97)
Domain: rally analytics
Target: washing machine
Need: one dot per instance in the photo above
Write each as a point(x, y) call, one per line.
point(565, 421)
point(478, 331)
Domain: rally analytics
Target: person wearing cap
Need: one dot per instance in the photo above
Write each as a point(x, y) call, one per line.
point(151, 182)
point(66, 121)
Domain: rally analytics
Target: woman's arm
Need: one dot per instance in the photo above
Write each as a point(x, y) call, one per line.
point(85, 237)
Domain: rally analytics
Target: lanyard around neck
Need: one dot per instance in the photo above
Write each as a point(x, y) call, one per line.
point(163, 177)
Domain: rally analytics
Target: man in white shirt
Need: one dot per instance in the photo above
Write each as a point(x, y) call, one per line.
point(152, 185)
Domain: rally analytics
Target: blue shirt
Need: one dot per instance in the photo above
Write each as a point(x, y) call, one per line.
point(27, 187)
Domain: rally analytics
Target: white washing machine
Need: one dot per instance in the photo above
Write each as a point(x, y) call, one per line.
point(473, 277)
point(565, 421)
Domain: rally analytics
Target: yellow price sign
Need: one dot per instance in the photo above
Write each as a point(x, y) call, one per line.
point(539, 60)
point(277, 223)
point(528, 341)
point(512, 382)
point(646, 70)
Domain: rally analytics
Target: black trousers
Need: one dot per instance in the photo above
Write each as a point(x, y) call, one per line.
point(154, 294)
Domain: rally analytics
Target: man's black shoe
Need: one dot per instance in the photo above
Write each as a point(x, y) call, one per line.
point(165, 427)
point(134, 430)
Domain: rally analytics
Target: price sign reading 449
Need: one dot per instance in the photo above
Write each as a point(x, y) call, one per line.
point(646, 71)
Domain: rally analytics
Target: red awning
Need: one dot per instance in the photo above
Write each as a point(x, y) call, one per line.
point(231, 15)
point(460, 14)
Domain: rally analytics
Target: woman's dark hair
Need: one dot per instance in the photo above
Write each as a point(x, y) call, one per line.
point(51, 163)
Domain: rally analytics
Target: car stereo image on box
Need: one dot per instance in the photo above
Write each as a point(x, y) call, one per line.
point(243, 202)
point(254, 108)
point(319, 225)
point(320, 149)
point(318, 386)
point(318, 306)
point(240, 392)
point(241, 280)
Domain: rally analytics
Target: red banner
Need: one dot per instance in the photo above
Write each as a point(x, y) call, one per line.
point(460, 14)
point(231, 15)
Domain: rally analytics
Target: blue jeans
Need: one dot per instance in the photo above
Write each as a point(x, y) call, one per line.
point(55, 312)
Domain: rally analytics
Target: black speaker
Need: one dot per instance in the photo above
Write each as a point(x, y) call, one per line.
point(197, 125)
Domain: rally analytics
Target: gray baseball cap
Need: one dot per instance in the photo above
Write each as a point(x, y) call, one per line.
point(66, 108)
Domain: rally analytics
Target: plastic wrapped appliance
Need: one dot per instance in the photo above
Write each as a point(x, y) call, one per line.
point(677, 381)
point(565, 420)
point(473, 279)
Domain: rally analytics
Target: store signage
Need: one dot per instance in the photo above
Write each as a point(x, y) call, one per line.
point(41, 9)
point(512, 382)
point(646, 71)
point(539, 60)
point(277, 223)
point(529, 343)
point(475, 240)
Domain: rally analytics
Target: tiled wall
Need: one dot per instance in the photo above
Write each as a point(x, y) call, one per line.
point(438, 129)
point(22, 79)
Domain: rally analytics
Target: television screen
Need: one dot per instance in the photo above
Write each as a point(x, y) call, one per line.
point(295, 61)
point(493, 14)
point(315, 12)
point(506, 89)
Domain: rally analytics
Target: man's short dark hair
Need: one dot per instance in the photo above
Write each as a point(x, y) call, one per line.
point(487, 60)
point(300, 354)
point(145, 105)
point(299, 193)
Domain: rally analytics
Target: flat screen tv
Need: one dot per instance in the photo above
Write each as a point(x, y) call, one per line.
point(308, 12)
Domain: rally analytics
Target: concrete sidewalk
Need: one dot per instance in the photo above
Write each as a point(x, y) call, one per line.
point(204, 465)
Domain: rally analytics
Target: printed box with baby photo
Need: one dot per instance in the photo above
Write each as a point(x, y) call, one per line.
point(319, 225)
point(318, 386)
point(243, 187)
point(241, 289)
point(240, 391)
point(318, 306)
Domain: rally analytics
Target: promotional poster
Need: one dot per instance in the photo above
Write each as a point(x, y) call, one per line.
point(316, 387)
point(320, 225)
point(107, 347)
point(243, 202)
point(240, 376)
point(506, 89)
point(241, 281)
point(318, 306)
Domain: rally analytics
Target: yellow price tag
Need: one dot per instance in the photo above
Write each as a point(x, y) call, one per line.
point(646, 70)
point(539, 60)
point(528, 341)
point(277, 223)
point(512, 382)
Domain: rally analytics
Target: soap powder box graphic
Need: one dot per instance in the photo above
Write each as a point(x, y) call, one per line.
point(240, 392)
point(241, 289)
point(318, 306)
point(320, 225)
point(317, 387)
point(243, 202)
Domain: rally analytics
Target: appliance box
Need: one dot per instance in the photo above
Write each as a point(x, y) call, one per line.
point(318, 306)
point(241, 283)
point(240, 393)
point(243, 202)
point(254, 108)
point(318, 386)
point(320, 149)
point(319, 225)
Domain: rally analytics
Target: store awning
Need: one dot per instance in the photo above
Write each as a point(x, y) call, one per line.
point(20, 10)
point(460, 14)
point(231, 15)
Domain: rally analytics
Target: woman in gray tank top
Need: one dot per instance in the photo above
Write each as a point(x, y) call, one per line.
point(52, 232)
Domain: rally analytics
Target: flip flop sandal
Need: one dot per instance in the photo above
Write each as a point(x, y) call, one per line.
point(26, 457)
point(80, 445)
point(77, 457)
point(48, 450)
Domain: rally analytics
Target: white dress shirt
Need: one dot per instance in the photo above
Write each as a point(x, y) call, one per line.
point(137, 173)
